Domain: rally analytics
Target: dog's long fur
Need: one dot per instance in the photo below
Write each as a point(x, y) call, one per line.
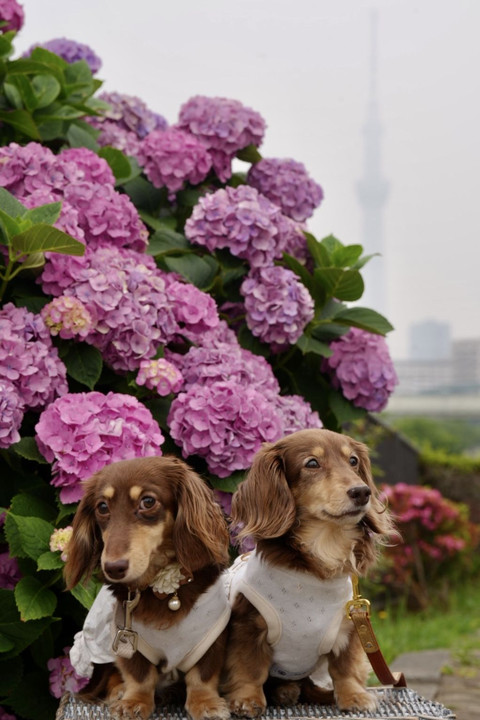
point(136, 517)
point(295, 504)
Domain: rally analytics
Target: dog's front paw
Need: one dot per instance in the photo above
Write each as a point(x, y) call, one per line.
point(131, 709)
point(356, 700)
point(208, 709)
point(249, 707)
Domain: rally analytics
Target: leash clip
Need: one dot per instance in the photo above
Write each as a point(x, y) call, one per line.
point(357, 602)
point(125, 642)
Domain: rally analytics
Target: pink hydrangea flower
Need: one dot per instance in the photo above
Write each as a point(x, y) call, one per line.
point(129, 113)
point(127, 296)
point(226, 361)
point(243, 221)
point(11, 12)
point(9, 571)
point(118, 137)
point(223, 422)
point(71, 51)
point(81, 433)
point(362, 368)
point(287, 184)
point(11, 413)
point(194, 310)
point(22, 166)
point(94, 168)
point(63, 677)
point(296, 413)
point(277, 304)
point(67, 317)
point(224, 126)
point(6, 716)
point(28, 359)
point(160, 375)
point(170, 158)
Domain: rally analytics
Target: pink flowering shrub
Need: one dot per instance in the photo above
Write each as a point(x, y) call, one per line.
point(149, 300)
point(437, 546)
point(80, 433)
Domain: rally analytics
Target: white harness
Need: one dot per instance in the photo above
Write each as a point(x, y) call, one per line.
point(303, 613)
point(178, 647)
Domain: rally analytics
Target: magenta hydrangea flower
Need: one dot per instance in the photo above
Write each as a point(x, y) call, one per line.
point(63, 677)
point(287, 184)
point(4, 715)
point(11, 13)
point(226, 361)
point(106, 216)
point(296, 413)
point(243, 221)
point(127, 296)
point(25, 169)
point(160, 375)
point(9, 571)
point(94, 168)
point(118, 137)
point(67, 317)
point(170, 158)
point(81, 433)
point(129, 113)
point(11, 413)
point(194, 310)
point(362, 368)
point(278, 306)
point(223, 422)
point(224, 126)
point(28, 359)
point(71, 51)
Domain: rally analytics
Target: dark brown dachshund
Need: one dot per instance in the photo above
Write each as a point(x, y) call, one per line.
point(310, 505)
point(153, 529)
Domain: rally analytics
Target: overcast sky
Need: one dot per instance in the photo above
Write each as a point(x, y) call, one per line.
point(304, 65)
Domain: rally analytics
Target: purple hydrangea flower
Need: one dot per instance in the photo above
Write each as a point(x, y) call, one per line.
point(224, 126)
point(296, 413)
point(6, 716)
point(278, 306)
point(25, 169)
point(9, 571)
point(67, 317)
point(223, 422)
point(225, 362)
point(129, 113)
point(362, 368)
point(118, 137)
point(194, 310)
point(95, 169)
point(127, 297)
point(28, 359)
point(243, 221)
point(81, 433)
point(170, 158)
point(71, 51)
point(287, 184)
point(160, 375)
point(63, 677)
point(11, 13)
point(68, 220)
point(11, 413)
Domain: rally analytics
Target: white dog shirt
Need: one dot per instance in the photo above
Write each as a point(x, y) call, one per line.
point(179, 646)
point(303, 613)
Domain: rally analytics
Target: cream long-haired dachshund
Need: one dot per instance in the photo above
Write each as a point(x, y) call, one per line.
point(311, 507)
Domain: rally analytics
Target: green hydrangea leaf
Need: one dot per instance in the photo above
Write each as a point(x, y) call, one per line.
point(13, 630)
point(28, 449)
point(34, 600)
point(27, 536)
point(45, 238)
point(50, 561)
point(364, 318)
point(84, 364)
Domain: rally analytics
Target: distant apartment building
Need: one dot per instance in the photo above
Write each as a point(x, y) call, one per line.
point(438, 366)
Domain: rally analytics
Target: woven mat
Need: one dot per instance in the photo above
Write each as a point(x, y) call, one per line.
point(393, 703)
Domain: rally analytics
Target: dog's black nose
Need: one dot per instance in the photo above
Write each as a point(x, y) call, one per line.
point(116, 570)
point(360, 494)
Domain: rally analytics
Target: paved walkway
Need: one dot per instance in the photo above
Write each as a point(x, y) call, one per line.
point(437, 675)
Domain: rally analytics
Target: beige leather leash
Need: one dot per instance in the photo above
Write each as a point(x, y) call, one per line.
point(358, 610)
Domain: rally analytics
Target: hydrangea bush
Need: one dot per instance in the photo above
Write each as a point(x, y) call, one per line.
point(160, 293)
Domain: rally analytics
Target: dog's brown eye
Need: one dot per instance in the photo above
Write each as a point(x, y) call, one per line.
point(353, 460)
point(102, 508)
point(312, 463)
point(147, 502)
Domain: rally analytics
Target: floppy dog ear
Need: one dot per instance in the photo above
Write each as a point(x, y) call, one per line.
point(263, 506)
point(200, 533)
point(378, 525)
point(85, 546)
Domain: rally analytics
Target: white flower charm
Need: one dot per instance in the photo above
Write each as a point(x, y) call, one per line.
point(168, 579)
